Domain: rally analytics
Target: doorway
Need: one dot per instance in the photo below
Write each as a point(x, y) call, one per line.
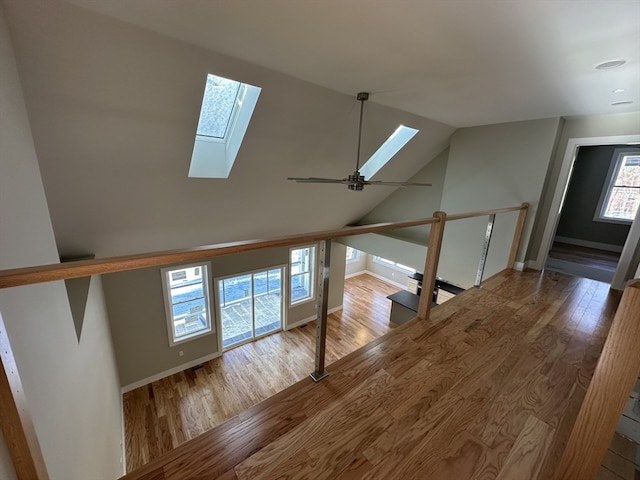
point(601, 199)
point(250, 305)
point(549, 233)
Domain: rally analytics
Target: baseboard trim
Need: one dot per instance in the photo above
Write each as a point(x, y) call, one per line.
point(589, 244)
point(166, 373)
point(519, 266)
point(312, 318)
point(386, 280)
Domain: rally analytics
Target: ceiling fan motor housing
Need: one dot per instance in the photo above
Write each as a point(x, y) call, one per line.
point(356, 181)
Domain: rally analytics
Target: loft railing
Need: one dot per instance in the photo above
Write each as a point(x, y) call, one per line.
point(15, 419)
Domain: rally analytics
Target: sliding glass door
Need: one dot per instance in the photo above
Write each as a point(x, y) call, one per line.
point(250, 305)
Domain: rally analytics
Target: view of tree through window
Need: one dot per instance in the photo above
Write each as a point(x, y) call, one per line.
point(623, 197)
point(217, 106)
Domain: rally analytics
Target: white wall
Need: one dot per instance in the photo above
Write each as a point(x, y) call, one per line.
point(490, 167)
point(71, 387)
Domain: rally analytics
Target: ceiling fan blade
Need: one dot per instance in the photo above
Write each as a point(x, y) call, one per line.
point(318, 180)
point(397, 184)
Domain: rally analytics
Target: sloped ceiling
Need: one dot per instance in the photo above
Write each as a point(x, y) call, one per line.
point(463, 62)
point(113, 110)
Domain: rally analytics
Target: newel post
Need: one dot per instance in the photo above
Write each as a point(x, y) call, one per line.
point(15, 418)
point(431, 265)
point(517, 235)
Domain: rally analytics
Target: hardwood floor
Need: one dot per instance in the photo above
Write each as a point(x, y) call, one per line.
point(162, 415)
point(585, 256)
point(488, 388)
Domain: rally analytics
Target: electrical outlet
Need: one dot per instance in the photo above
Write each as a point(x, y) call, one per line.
point(180, 353)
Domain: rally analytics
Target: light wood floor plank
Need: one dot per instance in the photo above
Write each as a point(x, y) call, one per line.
point(489, 387)
point(166, 413)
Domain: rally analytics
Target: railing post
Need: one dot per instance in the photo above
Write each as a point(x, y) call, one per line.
point(485, 250)
point(608, 392)
point(431, 265)
point(323, 301)
point(517, 235)
point(15, 420)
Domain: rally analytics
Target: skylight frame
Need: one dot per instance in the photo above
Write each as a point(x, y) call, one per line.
point(392, 145)
point(213, 157)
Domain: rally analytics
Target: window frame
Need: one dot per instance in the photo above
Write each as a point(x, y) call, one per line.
point(395, 265)
point(313, 267)
point(168, 305)
point(214, 157)
point(607, 188)
point(353, 259)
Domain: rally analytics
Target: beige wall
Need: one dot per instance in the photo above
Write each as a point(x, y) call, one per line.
point(138, 322)
point(71, 386)
point(114, 110)
point(489, 167)
point(413, 202)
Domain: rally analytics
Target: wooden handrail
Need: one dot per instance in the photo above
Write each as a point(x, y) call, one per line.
point(485, 213)
point(60, 271)
point(612, 381)
point(14, 414)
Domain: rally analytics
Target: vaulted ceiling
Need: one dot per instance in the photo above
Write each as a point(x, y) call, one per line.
point(113, 90)
point(462, 62)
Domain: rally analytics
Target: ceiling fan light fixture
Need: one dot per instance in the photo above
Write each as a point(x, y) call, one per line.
point(356, 181)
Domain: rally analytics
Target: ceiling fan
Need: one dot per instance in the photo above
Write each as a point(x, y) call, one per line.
point(355, 181)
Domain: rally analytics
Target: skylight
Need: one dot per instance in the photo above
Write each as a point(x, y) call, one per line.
point(227, 107)
point(389, 148)
point(220, 96)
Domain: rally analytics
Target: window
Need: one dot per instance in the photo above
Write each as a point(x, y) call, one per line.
point(389, 148)
point(186, 298)
point(353, 255)
point(303, 266)
point(620, 196)
point(397, 266)
point(227, 107)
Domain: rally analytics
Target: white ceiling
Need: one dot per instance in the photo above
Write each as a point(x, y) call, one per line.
point(462, 62)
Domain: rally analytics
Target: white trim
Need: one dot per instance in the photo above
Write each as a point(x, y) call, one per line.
point(168, 305)
point(562, 183)
point(519, 266)
point(313, 274)
point(626, 257)
point(123, 456)
point(213, 157)
point(612, 175)
point(312, 318)
point(609, 247)
point(166, 373)
point(283, 298)
point(355, 274)
point(385, 279)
